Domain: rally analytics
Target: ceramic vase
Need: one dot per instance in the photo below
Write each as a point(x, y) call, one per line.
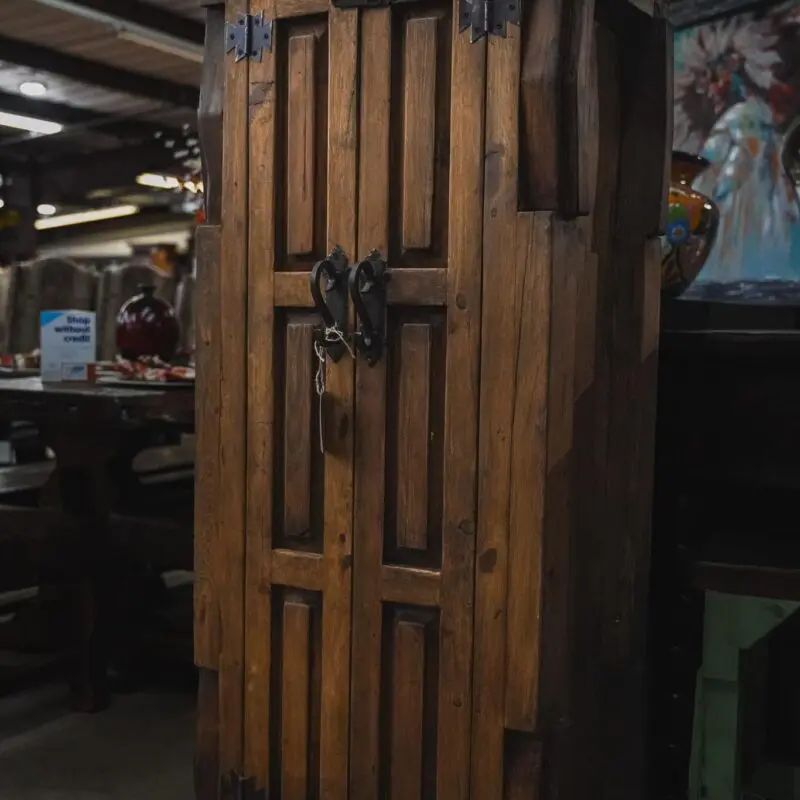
point(147, 326)
point(692, 222)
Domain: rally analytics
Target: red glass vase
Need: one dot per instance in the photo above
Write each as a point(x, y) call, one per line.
point(147, 326)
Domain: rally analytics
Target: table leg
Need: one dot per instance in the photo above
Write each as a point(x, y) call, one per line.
point(83, 483)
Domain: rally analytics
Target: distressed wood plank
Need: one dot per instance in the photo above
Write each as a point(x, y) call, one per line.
point(297, 433)
point(569, 252)
point(373, 214)
point(260, 413)
point(233, 345)
point(420, 131)
point(338, 519)
point(528, 471)
point(407, 709)
point(419, 587)
point(299, 570)
point(301, 124)
point(540, 100)
point(206, 588)
point(407, 286)
point(497, 366)
point(295, 705)
point(413, 435)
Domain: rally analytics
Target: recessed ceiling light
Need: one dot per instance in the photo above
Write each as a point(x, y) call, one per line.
point(46, 210)
point(33, 89)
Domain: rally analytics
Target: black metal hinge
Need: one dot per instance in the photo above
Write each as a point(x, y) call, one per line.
point(248, 36)
point(488, 17)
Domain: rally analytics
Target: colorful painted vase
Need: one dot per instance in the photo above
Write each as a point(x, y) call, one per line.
point(692, 222)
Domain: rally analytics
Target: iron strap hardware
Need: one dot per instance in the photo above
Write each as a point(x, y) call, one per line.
point(487, 17)
point(329, 292)
point(367, 281)
point(248, 36)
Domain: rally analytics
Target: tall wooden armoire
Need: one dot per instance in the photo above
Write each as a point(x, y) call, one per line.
point(427, 341)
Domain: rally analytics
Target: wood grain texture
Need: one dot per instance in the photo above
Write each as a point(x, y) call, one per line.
point(558, 112)
point(338, 519)
point(408, 678)
point(645, 113)
point(260, 395)
point(207, 487)
point(569, 253)
point(298, 569)
point(295, 701)
point(370, 433)
point(297, 432)
point(540, 105)
point(206, 757)
point(413, 435)
point(534, 258)
point(233, 346)
point(462, 394)
point(590, 443)
point(300, 145)
point(426, 286)
point(499, 323)
point(209, 114)
point(419, 142)
point(418, 587)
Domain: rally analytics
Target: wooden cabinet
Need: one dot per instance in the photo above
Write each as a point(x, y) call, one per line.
point(420, 571)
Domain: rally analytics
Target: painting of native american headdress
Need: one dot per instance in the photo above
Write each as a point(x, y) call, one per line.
point(737, 103)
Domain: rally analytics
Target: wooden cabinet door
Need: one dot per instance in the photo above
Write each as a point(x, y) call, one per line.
point(365, 131)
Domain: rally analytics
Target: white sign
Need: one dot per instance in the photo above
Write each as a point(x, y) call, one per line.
point(68, 344)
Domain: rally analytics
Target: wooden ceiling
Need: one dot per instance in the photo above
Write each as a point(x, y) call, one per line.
point(121, 76)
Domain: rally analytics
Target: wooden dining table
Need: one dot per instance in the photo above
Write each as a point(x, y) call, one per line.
point(95, 432)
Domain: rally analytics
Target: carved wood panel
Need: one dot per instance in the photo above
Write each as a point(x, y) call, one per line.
point(368, 546)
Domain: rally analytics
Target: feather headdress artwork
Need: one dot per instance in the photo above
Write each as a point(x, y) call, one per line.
point(736, 94)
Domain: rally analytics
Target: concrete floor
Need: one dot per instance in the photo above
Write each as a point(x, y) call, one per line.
point(140, 749)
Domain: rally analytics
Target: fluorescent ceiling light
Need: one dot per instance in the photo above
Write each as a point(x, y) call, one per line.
point(155, 181)
point(33, 89)
point(80, 217)
point(46, 209)
point(128, 30)
point(158, 181)
point(32, 124)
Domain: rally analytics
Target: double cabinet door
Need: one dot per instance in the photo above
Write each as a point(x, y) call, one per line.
point(363, 289)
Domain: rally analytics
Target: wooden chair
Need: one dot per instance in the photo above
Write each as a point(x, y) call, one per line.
point(118, 284)
point(47, 284)
point(7, 281)
point(184, 308)
point(36, 286)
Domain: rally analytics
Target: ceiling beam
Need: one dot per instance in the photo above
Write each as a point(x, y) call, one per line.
point(133, 14)
point(64, 181)
point(124, 129)
point(95, 73)
point(147, 217)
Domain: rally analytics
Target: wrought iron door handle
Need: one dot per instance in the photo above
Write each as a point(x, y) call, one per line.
point(329, 292)
point(367, 282)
